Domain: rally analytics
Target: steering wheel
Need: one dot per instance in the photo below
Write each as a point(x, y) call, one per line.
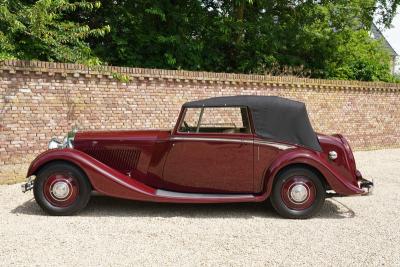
point(186, 125)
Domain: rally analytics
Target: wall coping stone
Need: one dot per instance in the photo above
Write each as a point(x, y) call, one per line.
point(76, 70)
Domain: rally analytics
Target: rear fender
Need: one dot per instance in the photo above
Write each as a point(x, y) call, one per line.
point(103, 178)
point(339, 183)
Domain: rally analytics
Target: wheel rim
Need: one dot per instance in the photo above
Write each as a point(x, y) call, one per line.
point(298, 192)
point(61, 189)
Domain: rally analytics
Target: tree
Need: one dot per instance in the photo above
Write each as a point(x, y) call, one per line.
point(41, 30)
point(324, 38)
point(360, 58)
point(155, 34)
point(327, 39)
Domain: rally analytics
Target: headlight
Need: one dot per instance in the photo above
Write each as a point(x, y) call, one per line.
point(54, 143)
point(67, 142)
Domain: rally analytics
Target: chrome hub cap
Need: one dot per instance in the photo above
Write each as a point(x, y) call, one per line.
point(60, 190)
point(299, 193)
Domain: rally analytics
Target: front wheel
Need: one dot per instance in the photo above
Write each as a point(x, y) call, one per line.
point(61, 189)
point(298, 193)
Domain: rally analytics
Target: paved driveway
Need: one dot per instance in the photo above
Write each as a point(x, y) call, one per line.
point(353, 230)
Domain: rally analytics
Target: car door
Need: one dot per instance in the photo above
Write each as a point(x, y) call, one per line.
point(206, 158)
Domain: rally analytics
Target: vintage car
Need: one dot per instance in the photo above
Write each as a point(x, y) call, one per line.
point(222, 149)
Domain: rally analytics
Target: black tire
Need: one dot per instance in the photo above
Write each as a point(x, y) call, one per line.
point(80, 199)
point(314, 204)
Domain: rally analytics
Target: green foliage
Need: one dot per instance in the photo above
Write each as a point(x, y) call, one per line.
point(396, 78)
point(360, 58)
point(123, 78)
point(43, 30)
point(327, 40)
point(324, 39)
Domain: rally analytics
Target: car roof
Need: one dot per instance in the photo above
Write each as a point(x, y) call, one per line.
point(274, 117)
point(240, 101)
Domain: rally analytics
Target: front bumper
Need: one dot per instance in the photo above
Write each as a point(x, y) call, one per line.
point(28, 185)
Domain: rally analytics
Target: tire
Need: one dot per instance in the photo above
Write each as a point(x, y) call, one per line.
point(298, 193)
point(61, 189)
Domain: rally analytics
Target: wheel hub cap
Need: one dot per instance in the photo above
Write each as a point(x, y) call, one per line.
point(60, 190)
point(299, 193)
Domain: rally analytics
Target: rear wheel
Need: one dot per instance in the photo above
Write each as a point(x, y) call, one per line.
point(61, 189)
point(298, 193)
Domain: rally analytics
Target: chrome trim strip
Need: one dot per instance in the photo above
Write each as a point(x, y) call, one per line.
point(211, 139)
point(165, 193)
point(243, 141)
point(273, 144)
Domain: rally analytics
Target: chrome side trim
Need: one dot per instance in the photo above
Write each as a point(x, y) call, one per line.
point(211, 139)
point(172, 194)
point(273, 144)
point(243, 141)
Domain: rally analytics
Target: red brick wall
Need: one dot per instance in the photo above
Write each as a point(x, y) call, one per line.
point(40, 100)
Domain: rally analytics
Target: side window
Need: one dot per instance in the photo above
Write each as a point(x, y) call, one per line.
point(228, 120)
point(190, 120)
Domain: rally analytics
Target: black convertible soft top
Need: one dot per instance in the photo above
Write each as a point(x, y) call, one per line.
point(274, 117)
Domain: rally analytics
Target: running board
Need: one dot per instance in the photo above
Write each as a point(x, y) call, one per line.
point(172, 194)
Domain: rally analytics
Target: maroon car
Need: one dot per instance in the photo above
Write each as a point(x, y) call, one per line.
point(223, 149)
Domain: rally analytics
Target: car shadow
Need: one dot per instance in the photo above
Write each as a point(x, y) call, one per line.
point(102, 206)
point(335, 209)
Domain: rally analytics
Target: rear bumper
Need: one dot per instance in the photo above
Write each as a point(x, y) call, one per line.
point(366, 185)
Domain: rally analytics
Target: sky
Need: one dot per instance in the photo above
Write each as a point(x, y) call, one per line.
point(393, 37)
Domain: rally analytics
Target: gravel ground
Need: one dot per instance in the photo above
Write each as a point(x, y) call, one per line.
point(348, 231)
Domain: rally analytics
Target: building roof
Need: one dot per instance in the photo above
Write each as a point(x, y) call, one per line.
point(377, 34)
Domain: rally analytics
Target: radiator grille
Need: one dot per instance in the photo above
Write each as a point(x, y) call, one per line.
point(120, 159)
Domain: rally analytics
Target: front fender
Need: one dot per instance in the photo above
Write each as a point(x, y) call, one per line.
point(339, 183)
point(104, 179)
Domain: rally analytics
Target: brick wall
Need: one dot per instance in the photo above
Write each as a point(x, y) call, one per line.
point(40, 100)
